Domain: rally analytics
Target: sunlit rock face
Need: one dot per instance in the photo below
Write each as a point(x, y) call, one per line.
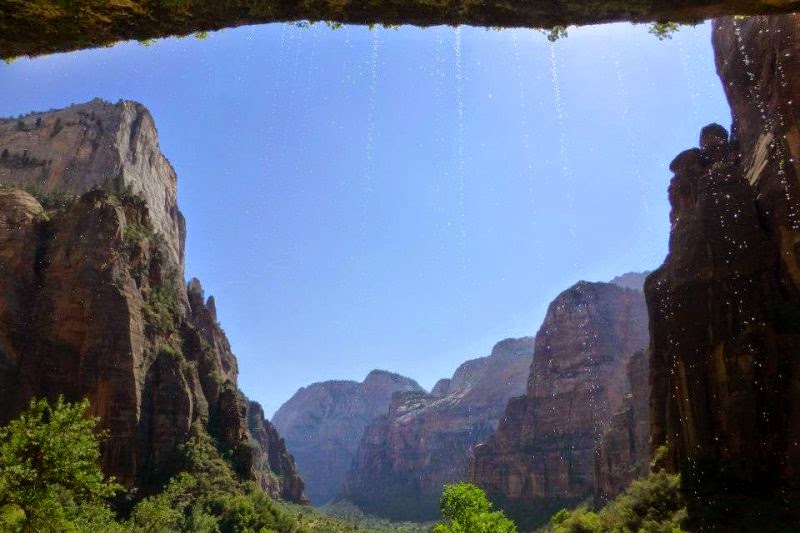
point(323, 423)
point(542, 456)
point(725, 305)
point(95, 145)
point(93, 301)
point(407, 456)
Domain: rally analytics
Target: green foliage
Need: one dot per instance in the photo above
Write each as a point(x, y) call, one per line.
point(555, 33)
point(467, 510)
point(650, 505)
point(350, 513)
point(49, 476)
point(664, 30)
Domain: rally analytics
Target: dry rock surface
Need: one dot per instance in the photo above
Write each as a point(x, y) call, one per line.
point(425, 440)
point(542, 456)
point(323, 423)
point(93, 301)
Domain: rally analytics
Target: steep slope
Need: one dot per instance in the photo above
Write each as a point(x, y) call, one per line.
point(406, 456)
point(542, 455)
point(322, 425)
point(93, 302)
point(725, 305)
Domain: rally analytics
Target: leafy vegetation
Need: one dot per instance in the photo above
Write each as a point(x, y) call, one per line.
point(664, 30)
point(650, 505)
point(50, 482)
point(49, 476)
point(352, 514)
point(466, 509)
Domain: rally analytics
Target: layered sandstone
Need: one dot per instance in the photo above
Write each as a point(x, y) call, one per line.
point(323, 423)
point(725, 305)
point(624, 451)
point(542, 455)
point(94, 304)
point(407, 456)
point(96, 145)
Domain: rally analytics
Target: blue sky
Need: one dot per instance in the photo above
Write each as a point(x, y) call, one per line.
point(401, 198)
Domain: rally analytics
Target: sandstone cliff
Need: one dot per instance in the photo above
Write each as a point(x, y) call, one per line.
point(93, 299)
point(542, 456)
point(95, 145)
point(624, 451)
point(406, 456)
point(725, 305)
point(322, 425)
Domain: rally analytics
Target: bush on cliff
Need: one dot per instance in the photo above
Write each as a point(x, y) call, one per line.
point(653, 505)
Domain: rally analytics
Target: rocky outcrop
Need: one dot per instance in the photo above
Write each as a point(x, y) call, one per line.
point(725, 305)
point(624, 451)
point(323, 423)
point(93, 304)
point(96, 145)
point(406, 456)
point(275, 469)
point(49, 27)
point(542, 456)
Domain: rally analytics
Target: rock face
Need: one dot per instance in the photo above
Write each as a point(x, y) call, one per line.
point(49, 27)
point(631, 280)
point(725, 305)
point(624, 451)
point(95, 145)
point(93, 302)
point(323, 423)
point(542, 456)
point(406, 456)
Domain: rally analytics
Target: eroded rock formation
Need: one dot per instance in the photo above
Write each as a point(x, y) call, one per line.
point(48, 26)
point(93, 302)
point(725, 305)
point(542, 456)
point(406, 456)
point(323, 423)
point(624, 451)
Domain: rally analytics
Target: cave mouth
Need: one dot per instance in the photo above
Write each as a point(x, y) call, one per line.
point(398, 199)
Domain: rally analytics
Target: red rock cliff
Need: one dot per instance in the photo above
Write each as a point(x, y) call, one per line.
point(93, 299)
point(725, 305)
point(542, 456)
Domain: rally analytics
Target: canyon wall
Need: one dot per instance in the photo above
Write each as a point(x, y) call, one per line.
point(725, 305)
point(323, 423)
point(93, 301)
point(542, 456)
point(406, 457)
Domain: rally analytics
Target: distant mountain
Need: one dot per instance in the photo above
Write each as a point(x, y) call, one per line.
point(631, 280)
point(323, 423)
point(406, 456)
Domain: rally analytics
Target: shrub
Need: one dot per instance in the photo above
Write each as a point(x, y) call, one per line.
point(653, 504)
point(467, 510)
point(49, 475)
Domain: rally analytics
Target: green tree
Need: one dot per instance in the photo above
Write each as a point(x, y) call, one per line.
point(49, 474)
point(467, 510)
